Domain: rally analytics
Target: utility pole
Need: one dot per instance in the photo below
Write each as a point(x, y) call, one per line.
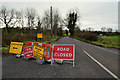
point(51, 21)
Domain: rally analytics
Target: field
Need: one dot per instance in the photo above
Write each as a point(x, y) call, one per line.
point(108, 41)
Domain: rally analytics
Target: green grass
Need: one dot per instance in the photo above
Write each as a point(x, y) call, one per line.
point(110, 38)
point(47, 41)
point(5, 49)
point(106, 41)
point(66, 35)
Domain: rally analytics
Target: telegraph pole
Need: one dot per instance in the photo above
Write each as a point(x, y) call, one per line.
point(51, 21)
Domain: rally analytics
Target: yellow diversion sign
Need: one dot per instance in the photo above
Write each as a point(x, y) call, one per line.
point(39, 35)
point(16, 47)
point(38, 51)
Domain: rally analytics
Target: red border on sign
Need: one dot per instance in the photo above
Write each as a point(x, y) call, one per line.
point(28, 52)
point(64, 52)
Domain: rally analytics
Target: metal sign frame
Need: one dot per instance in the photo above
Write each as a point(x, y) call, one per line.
point(64, 59)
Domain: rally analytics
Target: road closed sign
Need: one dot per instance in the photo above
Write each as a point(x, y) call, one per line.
point(38, 51)
point(16, 47)
point(28, 52)
point(63, 52)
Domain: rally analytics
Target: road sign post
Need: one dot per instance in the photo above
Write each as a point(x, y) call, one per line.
point(63, 52)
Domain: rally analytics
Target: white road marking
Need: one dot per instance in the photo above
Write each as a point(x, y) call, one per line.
point(102, 66)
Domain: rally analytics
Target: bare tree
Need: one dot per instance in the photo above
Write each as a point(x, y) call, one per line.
point(109, 29)
point(89, 29)
point(46, 19)
point(30, 14)
point(18, 19)
point(22, 19)
point(56, 20)
point(116, 30)
point(77, 28)
point(7, 16)
point(103, 29)
point(39, 23)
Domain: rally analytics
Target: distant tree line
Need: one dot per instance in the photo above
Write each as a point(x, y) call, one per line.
point(29, 18)
point(104, 31)
point(27, 22)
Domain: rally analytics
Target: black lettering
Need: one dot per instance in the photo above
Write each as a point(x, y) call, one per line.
point(15, 48)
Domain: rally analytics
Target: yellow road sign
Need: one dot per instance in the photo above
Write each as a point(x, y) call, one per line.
point(39, 35)
point(16, 47)
point(38, 51)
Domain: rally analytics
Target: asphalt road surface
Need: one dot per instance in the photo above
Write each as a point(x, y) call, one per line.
point(90, 62)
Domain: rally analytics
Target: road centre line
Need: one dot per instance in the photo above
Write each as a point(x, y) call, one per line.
point(102, 66)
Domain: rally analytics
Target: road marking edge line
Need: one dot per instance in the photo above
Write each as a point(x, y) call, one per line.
point(102, 66)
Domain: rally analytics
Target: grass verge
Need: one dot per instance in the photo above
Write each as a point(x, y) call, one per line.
point(105, 41)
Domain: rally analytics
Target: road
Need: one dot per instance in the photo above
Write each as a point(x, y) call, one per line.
point(85, 66)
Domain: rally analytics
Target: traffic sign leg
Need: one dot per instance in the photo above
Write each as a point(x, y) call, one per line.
point(73, 63)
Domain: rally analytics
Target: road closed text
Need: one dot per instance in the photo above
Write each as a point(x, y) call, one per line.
point(63, 52)
point(59, 49)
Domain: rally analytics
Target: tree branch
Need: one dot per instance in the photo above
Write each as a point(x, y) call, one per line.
point(1, 19)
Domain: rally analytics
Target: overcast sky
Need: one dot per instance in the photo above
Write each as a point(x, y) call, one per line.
point(93, 14)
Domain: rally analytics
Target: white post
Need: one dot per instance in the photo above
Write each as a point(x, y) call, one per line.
point(73, 63)
point(51, 62)
point(51, 58)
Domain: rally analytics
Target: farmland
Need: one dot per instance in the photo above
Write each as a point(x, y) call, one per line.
point(105, 41)
point(108, 41)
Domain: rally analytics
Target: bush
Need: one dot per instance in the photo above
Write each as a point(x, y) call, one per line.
point(18, 35)
point(87, 36)
point(6, 40)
